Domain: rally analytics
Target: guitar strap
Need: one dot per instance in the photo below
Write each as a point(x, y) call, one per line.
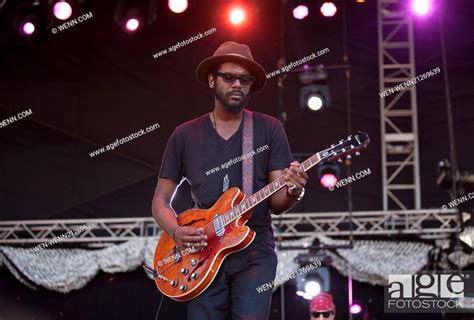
point(247, 147)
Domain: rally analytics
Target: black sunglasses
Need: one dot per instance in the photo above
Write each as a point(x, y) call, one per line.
point(325, 314)
point(230, 78)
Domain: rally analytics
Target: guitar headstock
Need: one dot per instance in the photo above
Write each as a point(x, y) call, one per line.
point(346, 147)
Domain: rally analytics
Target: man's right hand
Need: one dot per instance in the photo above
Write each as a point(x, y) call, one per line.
point(187, 237)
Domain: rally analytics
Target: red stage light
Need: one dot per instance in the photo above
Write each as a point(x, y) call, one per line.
point(237, 16)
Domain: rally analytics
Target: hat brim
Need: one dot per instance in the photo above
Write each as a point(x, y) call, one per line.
point(204, 68)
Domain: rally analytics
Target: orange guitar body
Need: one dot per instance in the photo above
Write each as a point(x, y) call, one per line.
point(200, 266)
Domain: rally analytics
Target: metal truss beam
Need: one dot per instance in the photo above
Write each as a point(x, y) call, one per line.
point(398, 112)
point(432, 223)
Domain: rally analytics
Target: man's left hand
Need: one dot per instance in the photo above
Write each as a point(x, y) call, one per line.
point(295, 178)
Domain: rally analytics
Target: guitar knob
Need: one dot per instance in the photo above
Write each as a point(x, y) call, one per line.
point(357, 153)
point(348, 157)
point(184, 271)
point(339, 160)
point(194, 275)
point(174, 283)
point(183, 287)
point(193, 262)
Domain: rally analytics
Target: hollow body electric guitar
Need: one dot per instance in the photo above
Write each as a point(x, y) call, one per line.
point(183, 274)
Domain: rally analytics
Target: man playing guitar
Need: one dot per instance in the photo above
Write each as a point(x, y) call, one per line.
point(209, 141)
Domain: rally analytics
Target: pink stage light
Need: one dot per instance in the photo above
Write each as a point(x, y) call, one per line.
point(328, 180)
point(178, 6)
point(132, 25)
point(62, 10)
point(421, 7)
point(355, 308)
point(300, 12)
point(28, 28)
point(328, 9)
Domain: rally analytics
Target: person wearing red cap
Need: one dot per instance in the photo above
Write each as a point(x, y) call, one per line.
point(322, 307)
point(208, 142)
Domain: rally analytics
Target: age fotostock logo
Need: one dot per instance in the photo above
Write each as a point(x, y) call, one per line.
point(427, 292)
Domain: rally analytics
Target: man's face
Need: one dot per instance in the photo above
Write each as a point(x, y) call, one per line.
point(322, 315)
point(235, 95)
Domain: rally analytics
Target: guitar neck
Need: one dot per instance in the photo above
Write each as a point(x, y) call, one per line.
point(258, 197)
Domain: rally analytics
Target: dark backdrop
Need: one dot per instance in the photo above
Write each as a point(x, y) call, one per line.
point(92, 83)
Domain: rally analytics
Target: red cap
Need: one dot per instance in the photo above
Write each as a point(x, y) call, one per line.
point(322, 302)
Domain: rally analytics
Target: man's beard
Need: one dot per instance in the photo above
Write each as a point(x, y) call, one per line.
point(231, 107)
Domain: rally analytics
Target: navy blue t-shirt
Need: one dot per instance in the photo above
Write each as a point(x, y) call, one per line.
point(196, 151)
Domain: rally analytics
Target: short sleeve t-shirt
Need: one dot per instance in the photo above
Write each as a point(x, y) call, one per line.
point(210, 163)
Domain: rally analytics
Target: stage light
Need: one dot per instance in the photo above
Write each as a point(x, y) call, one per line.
point(355, 308)
point(62, 10)
point(27, 28)
point(237, 16)
point(132, 25)
point(33, 20)
point(314, 94)
point(132, 16)
point(300, 12)
point(328, 9)
point(328, 173)
point(312, 283)
point(178, 6)
point(421, 7)
point(314, 102)
point(314, 97)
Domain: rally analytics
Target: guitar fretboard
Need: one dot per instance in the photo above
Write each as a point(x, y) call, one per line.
point(255, 199)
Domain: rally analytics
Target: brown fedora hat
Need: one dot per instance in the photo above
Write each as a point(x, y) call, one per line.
point(232, 52)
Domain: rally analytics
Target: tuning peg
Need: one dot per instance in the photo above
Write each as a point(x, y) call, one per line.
point(348, 157)
point(332, 145)
point(357, 153)
point(339, 160)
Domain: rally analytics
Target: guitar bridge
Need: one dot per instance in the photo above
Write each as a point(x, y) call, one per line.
point(218, 225)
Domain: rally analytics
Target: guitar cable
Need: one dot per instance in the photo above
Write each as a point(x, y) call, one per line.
point(154, 273)
point(159, 307)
